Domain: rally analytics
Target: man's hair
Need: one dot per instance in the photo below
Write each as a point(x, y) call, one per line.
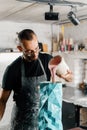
point(26, 34)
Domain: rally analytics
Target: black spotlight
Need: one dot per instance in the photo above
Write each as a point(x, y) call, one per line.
point(51, 15)
point(72, 17)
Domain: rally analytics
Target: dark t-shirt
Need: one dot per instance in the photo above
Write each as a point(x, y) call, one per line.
point(12, 75)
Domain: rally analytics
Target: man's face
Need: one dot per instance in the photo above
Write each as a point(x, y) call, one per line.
point(30, 49)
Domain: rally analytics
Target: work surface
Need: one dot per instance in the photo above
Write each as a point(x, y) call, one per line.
point(75, 96)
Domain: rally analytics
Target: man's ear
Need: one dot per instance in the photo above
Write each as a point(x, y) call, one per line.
point(19, 48)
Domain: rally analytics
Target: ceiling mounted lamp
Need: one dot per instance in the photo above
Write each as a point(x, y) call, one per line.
point(59, 2)
point(51, 15)
point(72, 17)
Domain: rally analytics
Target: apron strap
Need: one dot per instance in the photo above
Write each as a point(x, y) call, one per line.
point(22, 68)
point(42, 67)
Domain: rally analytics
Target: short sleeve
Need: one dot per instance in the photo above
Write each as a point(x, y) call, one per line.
point(8, 79)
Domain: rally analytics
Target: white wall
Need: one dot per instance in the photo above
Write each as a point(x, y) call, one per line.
point(76, 63)
point(8, 33)
point(76, 32)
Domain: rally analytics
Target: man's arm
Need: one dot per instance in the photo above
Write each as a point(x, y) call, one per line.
point(4, 95)
point(68, 76)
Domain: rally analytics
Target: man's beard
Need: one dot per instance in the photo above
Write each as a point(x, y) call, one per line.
point(29, 58)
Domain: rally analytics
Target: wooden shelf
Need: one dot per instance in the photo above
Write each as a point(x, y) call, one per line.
point(72, 54)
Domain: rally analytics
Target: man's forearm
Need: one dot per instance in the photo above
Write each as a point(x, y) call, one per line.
point(2, 108)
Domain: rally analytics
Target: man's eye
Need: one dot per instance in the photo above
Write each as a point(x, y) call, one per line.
point(28, 51)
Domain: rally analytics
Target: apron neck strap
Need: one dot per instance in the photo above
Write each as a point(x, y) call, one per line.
point(42, 68)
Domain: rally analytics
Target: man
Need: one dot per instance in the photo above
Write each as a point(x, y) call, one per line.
point(23, 77)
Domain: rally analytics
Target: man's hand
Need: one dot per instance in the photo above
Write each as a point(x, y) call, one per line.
point(67, 77)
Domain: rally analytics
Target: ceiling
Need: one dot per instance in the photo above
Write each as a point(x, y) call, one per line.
point(12, 10)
